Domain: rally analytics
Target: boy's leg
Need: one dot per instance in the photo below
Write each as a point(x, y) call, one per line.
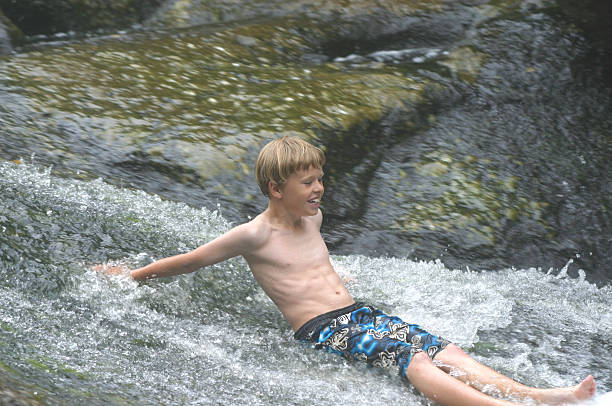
point(442, 388)
point(455, 361)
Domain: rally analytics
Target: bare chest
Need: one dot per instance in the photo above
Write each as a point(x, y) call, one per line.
point(294, 252)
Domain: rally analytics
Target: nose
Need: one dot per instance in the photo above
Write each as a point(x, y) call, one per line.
point(319, 186)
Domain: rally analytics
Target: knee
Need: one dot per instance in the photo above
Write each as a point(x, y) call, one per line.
point(420, 357)
point(451, 355)
point(418, 363)
point(453, 349)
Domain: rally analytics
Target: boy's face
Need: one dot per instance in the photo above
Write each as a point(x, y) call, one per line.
point(303, 191)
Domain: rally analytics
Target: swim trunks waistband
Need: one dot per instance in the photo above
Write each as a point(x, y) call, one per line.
point(321, 320)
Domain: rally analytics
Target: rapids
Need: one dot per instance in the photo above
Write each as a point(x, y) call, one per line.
point(467, 190)
point(69, 335)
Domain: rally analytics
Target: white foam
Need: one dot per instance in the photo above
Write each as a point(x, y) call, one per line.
point(604, 399)
point(195, 338)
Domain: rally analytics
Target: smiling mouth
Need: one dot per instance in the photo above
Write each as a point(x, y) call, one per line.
point(315, 201)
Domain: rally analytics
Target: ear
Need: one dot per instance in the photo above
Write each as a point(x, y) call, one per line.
point(274, 190)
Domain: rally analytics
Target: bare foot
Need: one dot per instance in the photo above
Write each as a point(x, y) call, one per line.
point(586, 389)
point(563, 396)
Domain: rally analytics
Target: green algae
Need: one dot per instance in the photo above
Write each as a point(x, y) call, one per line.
point(187, 99)
point(186, 13)
point(149, 342)
point(465, 63)
point(192, 107)
point(53, 367)
point(483, 347)
point(6, 327)
point(470, 194)
point(7, 368)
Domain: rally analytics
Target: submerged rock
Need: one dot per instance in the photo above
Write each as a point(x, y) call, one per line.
point(195, 107)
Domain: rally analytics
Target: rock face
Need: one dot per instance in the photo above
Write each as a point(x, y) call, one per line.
point(54, 16)
point(5, 41)
point(593, 18)
point(9, 34)
point(475, 132)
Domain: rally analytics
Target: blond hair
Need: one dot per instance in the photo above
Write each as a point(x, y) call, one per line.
point(284, 156)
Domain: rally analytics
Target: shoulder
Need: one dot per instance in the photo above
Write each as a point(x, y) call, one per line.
point(317, 219)
point(252, 234)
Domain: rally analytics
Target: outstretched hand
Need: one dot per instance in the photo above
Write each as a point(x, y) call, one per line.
point(111, 269)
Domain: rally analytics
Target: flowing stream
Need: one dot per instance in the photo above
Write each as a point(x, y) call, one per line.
point(473, 134)
point(69, 335)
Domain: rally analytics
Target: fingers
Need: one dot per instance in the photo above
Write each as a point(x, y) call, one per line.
point(110, 269)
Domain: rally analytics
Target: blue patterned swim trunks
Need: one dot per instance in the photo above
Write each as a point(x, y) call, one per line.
point(363, 332)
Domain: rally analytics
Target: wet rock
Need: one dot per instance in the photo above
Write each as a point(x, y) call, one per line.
point(190, 114)
point(447, 126)
point(54, 16)
point(5, 41)
point(16, 393)
point(593, 17)
point(362, 19)
point(10, 397)
point(315, 58)
point(470, 189)
point(9, 35)
point(246, 41)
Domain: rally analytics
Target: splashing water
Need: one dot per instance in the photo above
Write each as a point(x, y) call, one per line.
point(68, 334)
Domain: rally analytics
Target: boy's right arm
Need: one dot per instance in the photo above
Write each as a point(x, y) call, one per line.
point(229, 245)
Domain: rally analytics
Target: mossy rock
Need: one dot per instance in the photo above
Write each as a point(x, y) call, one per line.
point(188, 13)
point(196, 108)
point(416, 151)
point(54, 16)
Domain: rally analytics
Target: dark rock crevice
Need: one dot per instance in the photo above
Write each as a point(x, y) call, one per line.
point(45, 17)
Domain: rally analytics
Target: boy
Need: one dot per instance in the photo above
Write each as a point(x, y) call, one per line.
point(289, 259)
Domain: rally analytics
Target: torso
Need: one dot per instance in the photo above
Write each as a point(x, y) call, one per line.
point(294, 270)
